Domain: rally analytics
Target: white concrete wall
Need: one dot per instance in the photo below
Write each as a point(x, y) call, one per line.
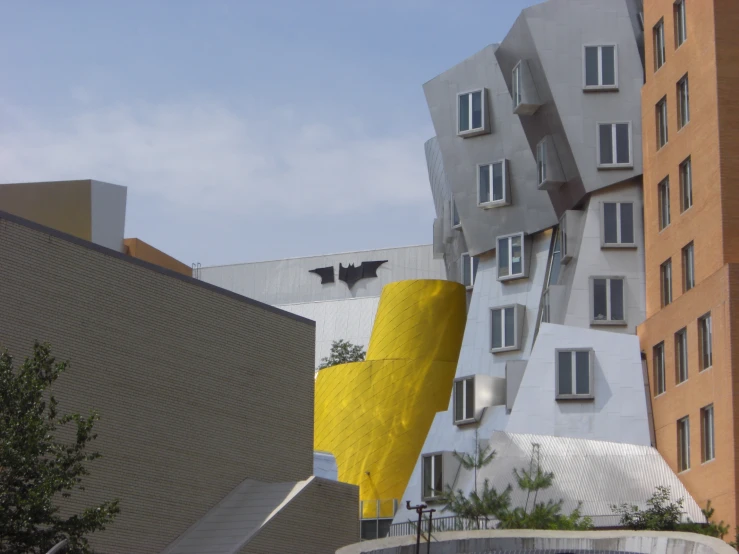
point(108, 214)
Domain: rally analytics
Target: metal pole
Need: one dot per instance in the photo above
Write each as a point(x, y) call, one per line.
point(419, 511)
point(431, 520)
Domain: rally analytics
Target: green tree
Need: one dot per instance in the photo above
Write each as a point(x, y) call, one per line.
point(482, 458)
point(37, 467)
point(343, 352)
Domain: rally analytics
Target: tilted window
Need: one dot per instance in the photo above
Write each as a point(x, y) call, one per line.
point(492, 184)
point(601, 67)
point(510, 254)
point(614, 145)
point(574, 374)
point(471, 114)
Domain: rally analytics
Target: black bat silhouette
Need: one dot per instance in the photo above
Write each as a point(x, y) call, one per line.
point(326, 274)
point(350, 274)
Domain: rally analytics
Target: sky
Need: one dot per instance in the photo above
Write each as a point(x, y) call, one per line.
point(244, 130)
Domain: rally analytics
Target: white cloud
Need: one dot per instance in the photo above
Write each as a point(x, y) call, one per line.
point(207, 156)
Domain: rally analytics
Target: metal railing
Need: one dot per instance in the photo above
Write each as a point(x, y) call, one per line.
point(442, 524)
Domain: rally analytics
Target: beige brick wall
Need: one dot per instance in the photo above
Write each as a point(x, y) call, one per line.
point(196, 389)
point(319, 520)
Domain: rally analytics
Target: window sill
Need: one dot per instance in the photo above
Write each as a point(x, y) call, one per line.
point(575, 397)
point(472, 132)
point(600, 88)
point(616, 166)
point(663, 228)
point(494, 204)
point(504, 349)
point(457, 226)
point(681, 472)
point(660, 394)
point(705, 368)
point(432, 499)
point(685, 209)
point(618, 245)
point(681, 383)
point(608, 322)
point(684, 125)
point(469, 287)
point(463, 422)
point(512, 277)
point(709, 461)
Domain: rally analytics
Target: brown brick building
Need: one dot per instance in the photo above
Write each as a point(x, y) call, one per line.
point(691, 214)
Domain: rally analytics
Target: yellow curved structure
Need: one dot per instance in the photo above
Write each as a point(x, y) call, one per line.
point(373, 416)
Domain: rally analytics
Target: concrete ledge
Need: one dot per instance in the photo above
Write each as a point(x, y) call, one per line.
point(630, 542)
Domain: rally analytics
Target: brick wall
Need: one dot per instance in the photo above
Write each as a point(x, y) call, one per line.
point(197, 389)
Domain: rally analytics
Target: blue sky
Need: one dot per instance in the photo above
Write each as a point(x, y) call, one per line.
point(244, 130)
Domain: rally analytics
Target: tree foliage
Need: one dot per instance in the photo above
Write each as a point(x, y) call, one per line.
point(37, 467)
point(343, 352)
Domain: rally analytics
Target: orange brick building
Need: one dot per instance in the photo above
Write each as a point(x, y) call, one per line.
point(691, 225)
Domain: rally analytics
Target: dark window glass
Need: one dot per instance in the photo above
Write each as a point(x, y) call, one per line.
point(458, 401)
point(438, 482)
point(617, 300)
point(498, 181)
point(369, 529)
point(427, 486)
point(627, 223)
point(591, 66)
point(466, 275)
point(464, 112)
point(509, 327)
point(565, 372)
point(600, 303)
point(623, 156)
point(484, 184)
point(517, 259)
point(477, 110)
point(497, 329)
point(582, 372)
point(608, 69)
point(610, 223)
point(606, 144)
point(503, 258)
point(470, 408)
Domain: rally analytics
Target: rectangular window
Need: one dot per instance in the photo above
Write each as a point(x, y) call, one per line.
point(688, 267)
point(681, 23)
point(708, 441)
point(464, 400)
point(469, 270)
point(683, 444)
point(574, 374)
point(665, 278)
point(658, 33)
point(683, 102)
point(661, 111)
point(504, 326)
point(471, 111)
point(663, 190)
point(614, 145)
point(433, 485)
point(491, 183)
point(517, 88)
point(681, 355)
point(600, 67)
point(607, 300)
point(618, 224)
point(705, 341)
point(541, 161)
point(510, 256)
point(686, 185)
point(545, 308)
point(456, 222)
point(658, 358)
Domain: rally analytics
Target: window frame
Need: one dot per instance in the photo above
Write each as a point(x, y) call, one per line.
point(453, 210)
point(688, 258)
point(473, 269)
point(682, 370)
point(564, 254)
point(608, 279)
point(599, 87)
point(614, 148)
point(465, 400)
point(483, 100)
point(663, 203)
point(662, 122)
point(658, 44)
point(619, 244)
point(517, 85)
point(493, 203)
point(658, 369)
point(683, 444)
point(516, 326)
point(705, 327)
point(541, 162)
point(665, 282)
point(433, 456)
point(509, 238)
point(683, 102)
point(681, 23)
point(591, 385)
point(685, 170)
point(708, 438)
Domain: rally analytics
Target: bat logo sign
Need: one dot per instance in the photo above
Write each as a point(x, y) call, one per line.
point(349, 274)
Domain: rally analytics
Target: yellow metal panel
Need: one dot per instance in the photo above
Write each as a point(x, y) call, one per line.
point(373, 416)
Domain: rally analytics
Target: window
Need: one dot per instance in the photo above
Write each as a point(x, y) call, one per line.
point(464, 400)
point(469, 270)
point(574, 374)
point(517, 86)
point(601, 67)
point(683, 444)
point(433, 484)
point(663, 190)
point(541, 161)
point(658, 357)
point(686, 185)
point(681, 24)
point(661, 110)
point(510, 257)
point(708, 441)
point(705, 341)
point(564, 248)
point(456, 222)
point(491, 183)
point(665, 279)
point(471, 111)
point(688, 267)
point(659, 44)
point(681, 355)
point(614, 145)
point(617, 224)
point(607, 300)
point(683, 102)
point(505, 324)
point(546, 316)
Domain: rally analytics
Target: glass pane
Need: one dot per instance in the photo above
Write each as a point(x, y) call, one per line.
point(617, 300)
point(503, 258)
point(509, 327)
point(383, 527)
point(497, 329)
point(516, 86)
point(608, 68)
point(600, 305)
point(470, 386)
point(438, 482)
point(591, 66)
point(464, 112)
point(427, 461)
point(458, 400)
point(556, 260)
point(582, 372)
point(627, 223)
point(369, 529)
point(484, 184)
point(477, 110)
point(498, 181)
point(516, 256)
point(623, 156)
point(606, 143)
point(475, 263)
point(466, 276)
point(565, 372)
point(610, 229)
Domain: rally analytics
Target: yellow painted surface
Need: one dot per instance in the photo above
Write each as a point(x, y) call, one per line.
point(373, 416)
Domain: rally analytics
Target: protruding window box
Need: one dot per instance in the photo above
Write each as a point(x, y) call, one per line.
point(549, 174)
point(523, 91)
point(493, 184)
point(512, 255)
point(472, 113)
point(473, 393)
point(569, 231)
point(438, 470)
point(506, 328)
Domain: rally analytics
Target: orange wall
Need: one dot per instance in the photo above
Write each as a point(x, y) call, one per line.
point(143, 251)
